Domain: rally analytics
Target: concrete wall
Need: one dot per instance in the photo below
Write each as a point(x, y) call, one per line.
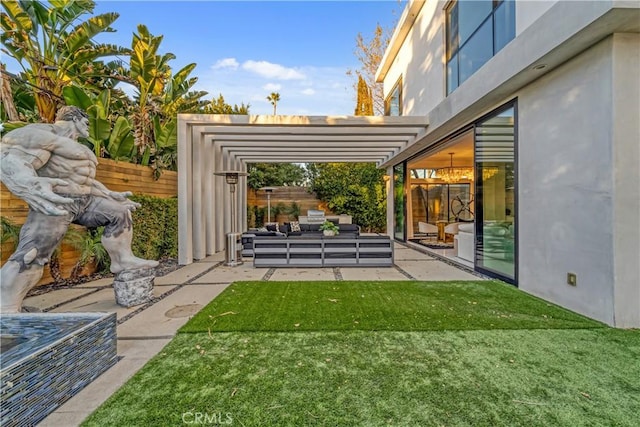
point(528, 11)
point(579, 203)
point(565, 184)
point(626, 178)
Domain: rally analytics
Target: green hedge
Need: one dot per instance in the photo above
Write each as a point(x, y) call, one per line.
point(155, 227)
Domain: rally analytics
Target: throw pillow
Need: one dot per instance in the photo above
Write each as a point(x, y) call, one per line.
point(295, 226)
point(273, 227)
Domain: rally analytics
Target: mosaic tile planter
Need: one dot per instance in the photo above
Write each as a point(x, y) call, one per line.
point(49, 357)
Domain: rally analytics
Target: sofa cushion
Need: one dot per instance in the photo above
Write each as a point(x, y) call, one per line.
point(310, 227)
point(349, 228)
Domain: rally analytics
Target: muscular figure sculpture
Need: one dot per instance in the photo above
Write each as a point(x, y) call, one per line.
point(45, 166)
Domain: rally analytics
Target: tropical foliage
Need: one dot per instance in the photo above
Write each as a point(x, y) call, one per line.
point(356, 189)
point(54, 43)
point(274, 98)
point(9, 232)
point(219, 106)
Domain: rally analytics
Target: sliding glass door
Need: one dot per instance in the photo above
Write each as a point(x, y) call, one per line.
point(399, 214)
point(495, 195)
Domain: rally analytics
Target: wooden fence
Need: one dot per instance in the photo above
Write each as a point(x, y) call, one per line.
point(117, 176)
point(286, 196)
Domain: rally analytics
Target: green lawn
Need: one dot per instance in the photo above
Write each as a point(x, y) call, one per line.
point(257, 368)
point(377, 306)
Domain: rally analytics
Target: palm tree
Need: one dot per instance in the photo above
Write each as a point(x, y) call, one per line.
point(274, 98)
point(54, 46)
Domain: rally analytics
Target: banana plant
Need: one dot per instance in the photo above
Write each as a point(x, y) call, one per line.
point(97, 108)
point(161, 94)
point(115, 141)
point(54, 45)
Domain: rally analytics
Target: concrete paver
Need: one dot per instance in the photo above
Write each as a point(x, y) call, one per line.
point(224, 274)
point(104, 301)
point(286, 274)
point(107, 281)
point(185, 273)
point(434, 270)
point(372, 273)
point(52, 298)
point(403, 254)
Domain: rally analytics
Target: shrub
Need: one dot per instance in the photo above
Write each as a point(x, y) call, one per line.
point(155, 227)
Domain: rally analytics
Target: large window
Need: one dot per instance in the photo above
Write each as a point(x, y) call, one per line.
point(393, 103)
point(440, 202)
point(476, 30)
point(398, 202)
point(496, 209)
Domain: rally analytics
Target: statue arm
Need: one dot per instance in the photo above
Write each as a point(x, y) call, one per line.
point(20, 177)
point(98, 189)
point(37, 137)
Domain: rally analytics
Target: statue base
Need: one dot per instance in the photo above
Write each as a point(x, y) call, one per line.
point(134, 287)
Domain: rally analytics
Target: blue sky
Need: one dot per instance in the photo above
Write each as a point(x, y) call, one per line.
point(248, 49)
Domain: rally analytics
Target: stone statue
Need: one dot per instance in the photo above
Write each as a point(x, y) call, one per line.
point(45, 166)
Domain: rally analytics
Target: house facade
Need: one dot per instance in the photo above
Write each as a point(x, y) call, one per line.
point(531, 155)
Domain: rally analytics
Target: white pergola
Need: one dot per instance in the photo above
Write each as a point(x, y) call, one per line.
point(211, 142)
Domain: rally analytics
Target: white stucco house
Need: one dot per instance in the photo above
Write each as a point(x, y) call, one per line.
point(512, 128)
point(536, 105)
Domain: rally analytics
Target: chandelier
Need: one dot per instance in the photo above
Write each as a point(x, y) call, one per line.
point(488, 172)
point(454, 174)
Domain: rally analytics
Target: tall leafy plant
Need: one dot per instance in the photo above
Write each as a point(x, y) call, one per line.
point(160, 95)
point(54, 45)
point(356, 189)
point(107, 140)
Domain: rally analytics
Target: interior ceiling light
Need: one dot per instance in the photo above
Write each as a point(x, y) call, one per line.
point(455, 174)
point(452, 174)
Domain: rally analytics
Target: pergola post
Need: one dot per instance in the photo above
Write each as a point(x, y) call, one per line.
point(390, 196)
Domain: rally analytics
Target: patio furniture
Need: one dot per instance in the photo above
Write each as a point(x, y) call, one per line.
point(426, 229)
point(284, 230)
point(323, 251)
point(463, 241)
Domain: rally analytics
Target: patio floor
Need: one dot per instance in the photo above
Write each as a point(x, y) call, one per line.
point(144, 330)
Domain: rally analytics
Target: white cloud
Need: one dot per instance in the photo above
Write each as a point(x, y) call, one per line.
point(272, 71)
point(272, 87)
point(324, 91)
point(226, 63)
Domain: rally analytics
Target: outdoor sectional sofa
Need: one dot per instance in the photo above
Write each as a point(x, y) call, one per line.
point(284, 230)
point(310, 248)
